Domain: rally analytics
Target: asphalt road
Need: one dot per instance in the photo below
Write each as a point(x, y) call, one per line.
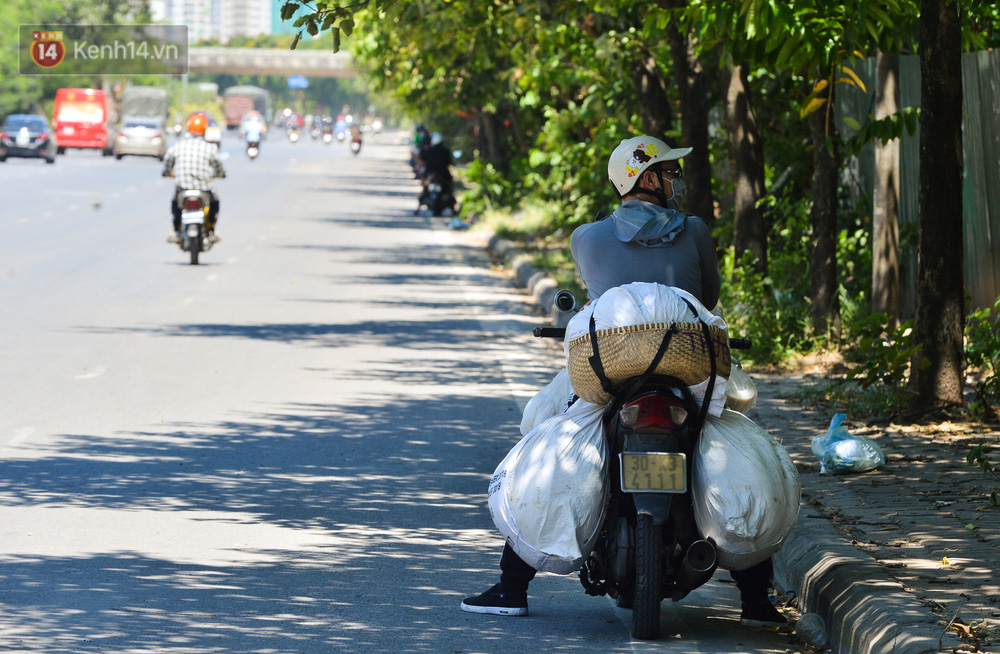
point(285, 449)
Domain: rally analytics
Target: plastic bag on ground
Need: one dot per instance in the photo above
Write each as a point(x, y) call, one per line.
point(741, 392)
point(746, 490)
point(551, 400)
point(547, 497)
point(840, 453)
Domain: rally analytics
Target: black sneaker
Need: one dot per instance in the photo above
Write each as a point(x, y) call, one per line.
point(496, 602)
point(761, 615)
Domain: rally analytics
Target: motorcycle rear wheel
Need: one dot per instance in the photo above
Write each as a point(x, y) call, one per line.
point(195, 249)
point(648, 571)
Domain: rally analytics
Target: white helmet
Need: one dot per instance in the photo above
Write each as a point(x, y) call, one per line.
point(436, 138)
point(634, 155)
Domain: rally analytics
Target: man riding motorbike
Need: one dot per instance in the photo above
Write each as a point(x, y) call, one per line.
point(646, 239)
point(252, 132)
point(193, 162)
point(436, 165)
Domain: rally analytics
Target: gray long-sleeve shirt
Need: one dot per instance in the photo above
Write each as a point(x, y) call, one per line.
point(644, 242)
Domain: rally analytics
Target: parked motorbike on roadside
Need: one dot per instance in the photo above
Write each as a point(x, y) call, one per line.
point(649, 547)
point(434, 196)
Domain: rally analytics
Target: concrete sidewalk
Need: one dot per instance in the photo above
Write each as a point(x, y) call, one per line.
point(896, 561)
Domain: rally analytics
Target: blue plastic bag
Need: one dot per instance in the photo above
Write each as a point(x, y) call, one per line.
point(841, 453)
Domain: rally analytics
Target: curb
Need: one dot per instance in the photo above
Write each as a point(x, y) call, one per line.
point(866, 612)
point(536, 281)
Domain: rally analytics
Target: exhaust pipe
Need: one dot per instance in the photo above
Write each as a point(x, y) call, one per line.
point(698, 565)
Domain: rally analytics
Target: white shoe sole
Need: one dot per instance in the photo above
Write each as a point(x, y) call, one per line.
point(495, 610)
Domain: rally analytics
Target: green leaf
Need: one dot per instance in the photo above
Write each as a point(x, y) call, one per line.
point(852, 123)
point(336, 38)
point(295, 41)
point(288, 10)
point(312, 28)
point(881, 16)
point(970, 526)
point(347, 25)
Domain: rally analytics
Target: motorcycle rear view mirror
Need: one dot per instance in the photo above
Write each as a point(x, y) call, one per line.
point(565, 301)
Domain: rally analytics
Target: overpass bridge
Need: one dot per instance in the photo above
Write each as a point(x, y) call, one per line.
point(270, 61)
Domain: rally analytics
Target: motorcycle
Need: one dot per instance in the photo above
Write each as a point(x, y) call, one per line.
point(649, 547)
point(327, 137)
point(194, 207)
point(253, 149)
point(293, 135)
point(355, 144)
point(435, 197)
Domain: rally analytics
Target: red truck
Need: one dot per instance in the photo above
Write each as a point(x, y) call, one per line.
point(80, 119)
point(235, 107)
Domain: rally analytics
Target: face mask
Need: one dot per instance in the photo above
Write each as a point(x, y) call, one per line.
point(676, 201)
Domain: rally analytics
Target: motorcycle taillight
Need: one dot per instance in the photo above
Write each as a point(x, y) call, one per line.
point(192, 204)
point(653, 411)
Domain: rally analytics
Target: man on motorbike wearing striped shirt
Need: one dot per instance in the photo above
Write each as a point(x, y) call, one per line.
point(193, 162)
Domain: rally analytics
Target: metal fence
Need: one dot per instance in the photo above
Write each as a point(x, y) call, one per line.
point(981, 147)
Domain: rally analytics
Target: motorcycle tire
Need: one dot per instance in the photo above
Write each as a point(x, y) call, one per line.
point(648, 571)
point(195, 249)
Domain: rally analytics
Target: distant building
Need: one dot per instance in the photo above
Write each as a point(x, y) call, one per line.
point(216, 19)
point(244, 18)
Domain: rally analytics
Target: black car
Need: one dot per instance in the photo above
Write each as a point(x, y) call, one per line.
point(27, 135)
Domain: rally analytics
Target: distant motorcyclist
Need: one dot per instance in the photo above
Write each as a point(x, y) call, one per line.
point(193, 162)
point(253, 131)
point(436, 163)
point(421, 141)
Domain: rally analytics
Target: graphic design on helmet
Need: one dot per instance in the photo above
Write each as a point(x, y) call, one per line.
point(643, 154)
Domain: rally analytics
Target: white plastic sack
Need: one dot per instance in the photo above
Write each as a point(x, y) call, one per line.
point(644, 303)
point(547, 497)
point(551, 400)
point(639, 303)
point(741, 392)
point(841, 452)
point(746, 490)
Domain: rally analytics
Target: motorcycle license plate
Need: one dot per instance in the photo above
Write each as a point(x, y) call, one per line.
point(653, 472)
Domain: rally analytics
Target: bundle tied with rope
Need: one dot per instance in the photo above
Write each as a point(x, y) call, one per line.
point(601, 360)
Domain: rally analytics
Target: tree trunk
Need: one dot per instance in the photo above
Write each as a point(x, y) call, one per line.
point(651, 92)
point(823, 257)
point(746, 156)
point(693, 87)
point(885, 216)
point(493, 139)
point(940, 310)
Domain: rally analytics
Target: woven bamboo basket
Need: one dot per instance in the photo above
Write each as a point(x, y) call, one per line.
point(628, 351)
